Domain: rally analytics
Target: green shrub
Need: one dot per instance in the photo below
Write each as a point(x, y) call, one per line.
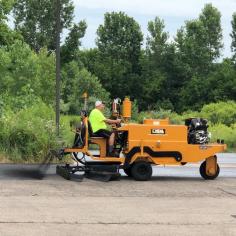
point(67, 133)
point(24, 141)
point(221, 112)
point(228, 134)
point(160, 114)
point(29, 133)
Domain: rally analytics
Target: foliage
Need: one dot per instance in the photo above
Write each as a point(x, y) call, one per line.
point(200, 41)
point(29, 133)
point(210, 19)
point(174, 79)
point(36, 21)
point(76, 82)
point(119, 44)
point(5, 8)
point(157, 40)
point(221, 112)
point(228, 134)
point(7, 36)
point(24, 72)
point(67, 132)
point(70, 49)
point(160, 114)
point(233, 36)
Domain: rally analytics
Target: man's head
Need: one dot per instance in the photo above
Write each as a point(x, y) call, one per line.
point(99, 105)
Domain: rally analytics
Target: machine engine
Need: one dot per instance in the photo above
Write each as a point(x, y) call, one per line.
point(197, 131)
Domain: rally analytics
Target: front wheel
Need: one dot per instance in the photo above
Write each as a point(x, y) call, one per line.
point(204, 174)
point(141, 170)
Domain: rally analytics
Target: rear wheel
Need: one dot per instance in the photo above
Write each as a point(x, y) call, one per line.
point(204, 174)
point(141, 170)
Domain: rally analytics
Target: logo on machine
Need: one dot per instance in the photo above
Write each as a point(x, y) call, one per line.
point(158, 131)
point(204, 147)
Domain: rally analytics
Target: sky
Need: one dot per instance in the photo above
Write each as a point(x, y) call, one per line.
point(173, 12)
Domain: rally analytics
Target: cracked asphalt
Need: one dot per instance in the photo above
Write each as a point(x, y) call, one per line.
point(177, 201)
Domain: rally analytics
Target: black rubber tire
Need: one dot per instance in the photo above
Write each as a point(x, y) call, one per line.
point(141, 171)
point(128, 171)
point(203, 173)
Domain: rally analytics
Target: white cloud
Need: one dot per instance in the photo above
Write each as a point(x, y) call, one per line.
point(183, 8)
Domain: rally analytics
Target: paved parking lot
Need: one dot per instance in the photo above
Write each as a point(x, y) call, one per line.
point(177, 201)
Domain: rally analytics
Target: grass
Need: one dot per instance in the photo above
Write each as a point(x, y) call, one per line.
point(4, 158)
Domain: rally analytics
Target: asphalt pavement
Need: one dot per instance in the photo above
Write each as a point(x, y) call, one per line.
point(176, 201)
point(227, 163)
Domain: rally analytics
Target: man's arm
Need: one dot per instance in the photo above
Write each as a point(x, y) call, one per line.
point(110, 122)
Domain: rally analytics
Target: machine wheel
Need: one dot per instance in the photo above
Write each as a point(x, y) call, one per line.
point(203, 173)
point(141, 170)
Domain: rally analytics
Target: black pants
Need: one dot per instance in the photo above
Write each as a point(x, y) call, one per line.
point(103, 133)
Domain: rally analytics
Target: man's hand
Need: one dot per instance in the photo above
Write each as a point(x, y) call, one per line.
point(110, 122)
point(118, 121)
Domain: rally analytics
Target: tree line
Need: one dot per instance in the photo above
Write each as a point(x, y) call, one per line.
point(179, 74)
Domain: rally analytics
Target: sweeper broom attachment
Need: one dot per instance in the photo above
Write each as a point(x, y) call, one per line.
point(103, 171)
point(91, 170)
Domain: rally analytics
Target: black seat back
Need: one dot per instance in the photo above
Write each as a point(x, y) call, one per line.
point(90, 130)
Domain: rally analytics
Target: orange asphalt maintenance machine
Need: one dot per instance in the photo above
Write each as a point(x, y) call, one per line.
point(139, 146)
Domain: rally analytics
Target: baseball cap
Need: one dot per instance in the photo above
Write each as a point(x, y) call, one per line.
point(98, 103)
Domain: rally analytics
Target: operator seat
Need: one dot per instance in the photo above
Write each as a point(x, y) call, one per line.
point(80, 136)
point(100, 141)
point(90, 130)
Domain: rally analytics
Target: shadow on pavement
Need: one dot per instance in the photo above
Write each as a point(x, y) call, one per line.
point(165, 178)
point(22, 172)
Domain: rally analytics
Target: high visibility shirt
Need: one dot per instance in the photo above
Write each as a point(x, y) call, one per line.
point(97, 120)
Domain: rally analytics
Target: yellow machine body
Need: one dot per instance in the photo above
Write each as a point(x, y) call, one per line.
point(158, 136)
point(154, 142)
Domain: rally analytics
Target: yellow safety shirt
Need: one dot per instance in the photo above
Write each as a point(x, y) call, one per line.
point(97, 120)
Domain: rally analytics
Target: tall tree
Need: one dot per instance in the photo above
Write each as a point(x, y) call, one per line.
point(119, 43)
point(199, 45)
point(191, 45)
point(23, 71)
point(211, 21)
point(36, 21)
point(76, 81)
point(161, 71)
point(157, 40)
point(233, 36)
point(200, 41)
point(7, 36)
point(70, 49)
point(5, 8)
point(153, 73)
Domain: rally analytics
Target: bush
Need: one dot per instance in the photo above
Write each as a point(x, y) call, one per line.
point(160, 114)
point(221, 131)
point(29, 133)
point(67, 133)
point(221, 112)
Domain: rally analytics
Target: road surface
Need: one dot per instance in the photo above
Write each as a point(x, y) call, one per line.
point(177, 201)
